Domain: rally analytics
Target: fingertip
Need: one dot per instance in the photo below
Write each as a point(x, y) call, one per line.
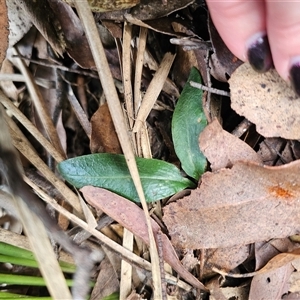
point(237, 22)
point(294, 74)
point(259, 52)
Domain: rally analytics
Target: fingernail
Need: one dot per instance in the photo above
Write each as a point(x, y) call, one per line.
point(259, 53)
point(295, 77)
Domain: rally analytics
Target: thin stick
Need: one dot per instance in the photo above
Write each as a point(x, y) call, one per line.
point(209, 89)
point(114, 105)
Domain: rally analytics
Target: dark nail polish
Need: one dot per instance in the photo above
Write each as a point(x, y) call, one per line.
point(259, 55)
point(295, 77)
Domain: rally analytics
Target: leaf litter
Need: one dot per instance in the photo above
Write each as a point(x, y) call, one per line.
point(239, 200)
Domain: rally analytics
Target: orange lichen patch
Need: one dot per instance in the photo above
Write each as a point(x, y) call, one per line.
point(280, 192)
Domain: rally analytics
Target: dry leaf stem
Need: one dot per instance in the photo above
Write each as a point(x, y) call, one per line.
point(110, 92)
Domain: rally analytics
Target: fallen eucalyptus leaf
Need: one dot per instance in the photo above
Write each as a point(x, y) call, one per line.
point(187, 123)
point(242, 205)
point(266, 100)
point(223, 149)
point(271, 285)
point(132, 217)
point(159, 178)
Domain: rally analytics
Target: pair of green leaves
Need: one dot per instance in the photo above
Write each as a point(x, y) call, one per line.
point(159, 178)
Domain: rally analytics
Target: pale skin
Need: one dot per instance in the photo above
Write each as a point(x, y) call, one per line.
point(239, 22)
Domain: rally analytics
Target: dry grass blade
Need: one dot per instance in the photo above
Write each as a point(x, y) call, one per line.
point(39, 104)
point(153, 90)
point(11, 171)
point(126, 268)
point(120, 125)
point(42, 249)
point(139, 68)
point(31, 128)
point(113, 246)
point(23, 145)
point(79, 112)
point(126, 58)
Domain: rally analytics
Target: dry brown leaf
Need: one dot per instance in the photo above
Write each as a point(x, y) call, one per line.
point(227, 258)
point(272, 285)
point(242, 205)
point(224, 293)
point(223, 149)
point(267, 101)
point(104, 137)
point(76, 42)
point(132, 217)
point(107, 281)
point(45, 21)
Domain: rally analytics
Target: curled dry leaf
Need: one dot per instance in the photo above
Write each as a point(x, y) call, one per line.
point(267, 101)
point(223, 149)
point(132, 217)
point(104, 137)
point(242, 205)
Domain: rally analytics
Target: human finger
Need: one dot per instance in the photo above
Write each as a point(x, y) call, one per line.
point(242, 26)
point(283, 27)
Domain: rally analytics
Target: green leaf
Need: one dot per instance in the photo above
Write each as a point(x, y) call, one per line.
point(159, 178)
point(188, 122)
